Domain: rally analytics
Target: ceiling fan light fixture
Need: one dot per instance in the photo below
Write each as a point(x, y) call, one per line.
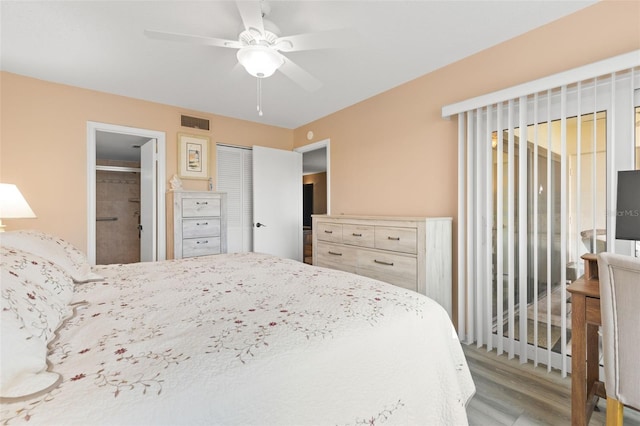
point(260, 61)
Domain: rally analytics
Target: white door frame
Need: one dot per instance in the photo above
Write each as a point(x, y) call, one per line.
point(326, 143)
point(92, 129)
point(148, 201)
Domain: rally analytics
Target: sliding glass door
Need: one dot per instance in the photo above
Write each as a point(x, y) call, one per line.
point(537, 183)
point(544, 305)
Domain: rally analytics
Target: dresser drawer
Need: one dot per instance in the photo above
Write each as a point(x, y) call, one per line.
point(203, 227)
point(199, 207)
point(389, 267)
point(358, 235)
point(404, 240)
point(329, 232)
point(336, 257)
point(200, 246)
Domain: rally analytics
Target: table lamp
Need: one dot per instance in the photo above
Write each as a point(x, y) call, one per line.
point(12, 204)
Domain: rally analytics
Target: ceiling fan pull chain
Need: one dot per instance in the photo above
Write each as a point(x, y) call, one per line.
point(259, 96)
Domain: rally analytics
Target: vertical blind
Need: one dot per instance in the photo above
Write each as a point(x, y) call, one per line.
point(537, 165)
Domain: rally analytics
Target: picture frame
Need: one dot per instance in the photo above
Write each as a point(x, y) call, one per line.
point(193, 156)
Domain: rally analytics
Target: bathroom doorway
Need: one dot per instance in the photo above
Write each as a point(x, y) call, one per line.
point(126, 185)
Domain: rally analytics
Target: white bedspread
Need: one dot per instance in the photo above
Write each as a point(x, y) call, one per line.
point(250, 339)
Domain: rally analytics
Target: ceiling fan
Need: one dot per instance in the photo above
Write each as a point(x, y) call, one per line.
point(260, 46)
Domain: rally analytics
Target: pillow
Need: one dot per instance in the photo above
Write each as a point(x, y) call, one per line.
point(34, 291)
point(34, 302)
point(52, 248)
point(23, 371)
point(36, 270)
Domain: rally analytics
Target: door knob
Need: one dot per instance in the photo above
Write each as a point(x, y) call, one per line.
point(258, 225)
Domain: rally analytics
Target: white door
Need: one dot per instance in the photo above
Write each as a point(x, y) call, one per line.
point(277, 202)
point(148, 222)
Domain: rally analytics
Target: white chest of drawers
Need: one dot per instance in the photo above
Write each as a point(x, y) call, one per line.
point(199, 223)
point(410, 252)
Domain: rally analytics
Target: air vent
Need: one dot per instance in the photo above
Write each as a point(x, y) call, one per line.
point(194, 122)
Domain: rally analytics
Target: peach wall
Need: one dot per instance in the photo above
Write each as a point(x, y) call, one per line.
point(393, 154)
point(392, 144)
point(43, 141)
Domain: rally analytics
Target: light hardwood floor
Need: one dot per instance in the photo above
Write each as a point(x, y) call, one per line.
point(510, 393)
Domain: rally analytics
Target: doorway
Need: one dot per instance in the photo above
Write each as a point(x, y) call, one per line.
point(315, 181)
point(234, 175)
point(307, 203)
point(118, 199)
point(126, 185)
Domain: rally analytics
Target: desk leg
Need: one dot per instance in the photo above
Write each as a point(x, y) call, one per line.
point(578, 360)
point(593, 355)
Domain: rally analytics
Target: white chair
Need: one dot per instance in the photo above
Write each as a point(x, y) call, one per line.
point(620, 306)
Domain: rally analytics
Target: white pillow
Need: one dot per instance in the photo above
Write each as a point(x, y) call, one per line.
point(34, 271)
point(52, 248)
point(37, 272)
point(23, 371)
point(34, 303)
point(34, 291)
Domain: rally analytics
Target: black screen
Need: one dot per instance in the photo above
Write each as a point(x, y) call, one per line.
point(307, 203)
point(628, 206)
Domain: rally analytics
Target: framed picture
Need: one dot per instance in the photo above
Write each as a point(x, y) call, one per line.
point(193, 156)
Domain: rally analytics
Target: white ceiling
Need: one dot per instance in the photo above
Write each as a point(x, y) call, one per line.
point(314, 161)
point(118, 146)
point(100, 45)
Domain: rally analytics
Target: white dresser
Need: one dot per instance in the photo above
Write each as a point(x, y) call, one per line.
point(410, 252)
point(199, 223)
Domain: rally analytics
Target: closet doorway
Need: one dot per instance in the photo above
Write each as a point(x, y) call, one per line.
point(235, 177)
point(125, 193)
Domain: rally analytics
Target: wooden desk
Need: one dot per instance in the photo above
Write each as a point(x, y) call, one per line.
point(585, 320)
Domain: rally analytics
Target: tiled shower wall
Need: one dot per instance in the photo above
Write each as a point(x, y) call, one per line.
point(117, 214)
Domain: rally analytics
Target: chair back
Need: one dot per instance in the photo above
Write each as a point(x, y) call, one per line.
point(620, 307)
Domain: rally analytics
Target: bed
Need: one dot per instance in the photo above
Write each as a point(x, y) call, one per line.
point(238, 339)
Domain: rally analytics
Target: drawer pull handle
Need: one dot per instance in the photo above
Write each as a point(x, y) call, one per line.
point(202, 242)
point(204, 203)
point(328, 232)
point(382, 262)
point(394, 238)
point(356, 235)
point(203, 223)
point(334, 253)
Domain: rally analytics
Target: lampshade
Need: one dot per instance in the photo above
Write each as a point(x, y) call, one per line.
point(260, 61)
point(12, 203)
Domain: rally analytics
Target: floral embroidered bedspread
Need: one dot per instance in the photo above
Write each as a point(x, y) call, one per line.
point(250, 339)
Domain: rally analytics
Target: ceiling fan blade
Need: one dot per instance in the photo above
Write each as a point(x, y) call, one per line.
point(251, 14)
point(299, 75)
point(321, 40)
point(194, 39)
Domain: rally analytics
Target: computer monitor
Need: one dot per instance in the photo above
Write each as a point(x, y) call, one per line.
point(628, 206)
